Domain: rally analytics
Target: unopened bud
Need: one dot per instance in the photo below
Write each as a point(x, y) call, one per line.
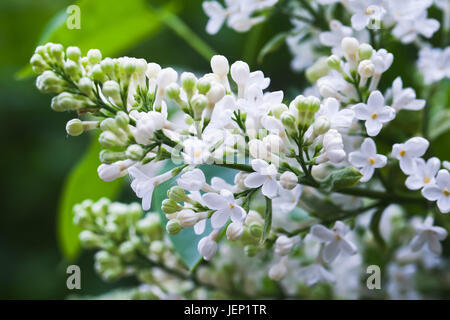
point(321, 125)
point(365, 51)
point(135, 152)
point(187, 218)
point(94, 56)
point(74, 127)
point(219, 65)
point(176, 194)
point(173, 227)
point(173, 91)
point(234, 231)
point(203, 85)
point(170, 206)
point(250, 250)
point(288, 180)
point(73, 53)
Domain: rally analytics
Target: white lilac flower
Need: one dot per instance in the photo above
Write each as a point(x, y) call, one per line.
point(265, 176)
point(279, 270)
point(226, 207)
point(334, 240)
point(333, 148)
point(217, 15)
point(284, 244)
point(404, 98)
point(256, 103)
point(446, 165)
point(340, 119)
point(302, 50)
point(288, 180)
point(365, 11)
point(367, 159)
point(375, 113)
point(288, 199)
point(195, 151)
point(193, 180)
point(407, 9)
point(110, 172)
point(207, 246)
point(434, 64)
point(401, 284)
point(257, 5)
point(408, 30)
point(429, 236)
point(382, 61)
point(439, 191)
point(424, 173)
point(334, 37)
point(407, 152)
point(240, 73)
point(143, 183)
point(315, 273)
point(146, 124)
point(220, 184)
point(234, 231)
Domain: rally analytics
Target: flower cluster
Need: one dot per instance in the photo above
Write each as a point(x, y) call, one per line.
point(302, 169)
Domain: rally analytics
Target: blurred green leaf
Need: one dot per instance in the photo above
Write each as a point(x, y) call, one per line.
point(440, 124)
point(110, 26)
point(341, 178)
point(185, 243)
point(275, 43)
point(82, 183)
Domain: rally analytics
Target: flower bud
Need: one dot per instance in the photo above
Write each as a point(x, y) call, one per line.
point(173, 227)
point(288, 180)
point(49, 82)
point(255, 230)
point(216, 93)
point(109, 140)
point(203, 85)
point(334, 62)
point(150, 225)
point(85, 85)
point(112, 89)
point(57, 52)
point(278, 271)
point(109, 124)
point(187, 218)
point(283, 245)
point(288, 121)
point(321, 125)
point(239, 179)
point(153, 70)
point(72, 69)
point(73, 53)
point(122, 120)
point(188, 82)
point(350, 47)
point(126, 249)
point(38, 64)
point(176, 194)
point(165, 77)
point(170, 206)
point(240, 72)
point(108, 156)
point(107, 65)
point(199, 102)
point(207, 247)
point(278, 110)
point(173, 91)
point(90, 239)
point(366, 69)
point(97, 74)
point(135, 152)
point(67, 101)
point(234, 231)
point(157, 247)
point(74, 127)
point(365, 51)
point(219, 65)
point(318, 70)
point(250, 250)
point(94, 56)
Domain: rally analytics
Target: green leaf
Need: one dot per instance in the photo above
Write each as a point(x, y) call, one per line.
point(82, 183)
point(341, 178)
point(440, 124)
point(108, 25)
point(275, 43)
point(185, 243)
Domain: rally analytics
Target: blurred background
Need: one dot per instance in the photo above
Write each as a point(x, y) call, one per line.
point(38, 156)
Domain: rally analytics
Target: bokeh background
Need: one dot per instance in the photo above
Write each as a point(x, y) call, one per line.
point(38, 156)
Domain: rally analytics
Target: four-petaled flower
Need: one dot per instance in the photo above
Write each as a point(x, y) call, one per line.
point(375, 113)
point(408, 152)
point(265, 176)
point(334, 240)
point(429, 235)
point(439, 191)
point(367, 159)
point(226, 207)
point(424, 174)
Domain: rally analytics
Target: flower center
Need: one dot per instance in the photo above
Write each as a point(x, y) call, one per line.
point(446, 192)
point(197, 153)
point(402, 152)
point(231, 206)
point(426, 180)
point(369, 11)
point(372, 161)
point(374, 116)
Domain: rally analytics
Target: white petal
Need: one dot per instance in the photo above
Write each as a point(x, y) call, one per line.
point(254, 180)
point(368, 147)
point(432, 192)
point(348, 247)
point(238, 214)
point(219, 218)
point(214, 201)
point(418, 242)
point(321, 233)
point(270, 188)
point(414, 182)
point(258, 165)
point(434, 245)
point(375, 100)
point(373, 127)
point(407, 165)
point(331, 251)
point(199, 227)
point(443, 204)
point(357, 158)
point(416, 146)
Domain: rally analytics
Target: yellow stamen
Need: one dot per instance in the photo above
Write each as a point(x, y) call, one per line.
point(402, 152)
point(446, 192)
point(231, 206)
point(372, 161)
point(197, 153)
point(374, 116)
point(369, 11)
point(426, 180)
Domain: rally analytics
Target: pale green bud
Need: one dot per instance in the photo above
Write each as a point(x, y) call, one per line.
point(278, 110)
point(157, 247)
point(85, 85)
point(135, 152)
point(199, 102)
point(288, 121)
point(173, 227)
point(334, 62)
point(321, 125)
point(108, 157)
point(150, 225)
point(203, 85)
point(317, 70)
point(67, 101)
point(57, 52)
point(74, 127)
point(109, 124)
point(122, 120)
point(49, 82)
point(250, 250)
point(176, 194)
point(38, 64)
point(126, 249)
point(188, 119)
point(73, 53)
point(255, 230)
point(173, 91)
point(72, 69)
point(111, 89)
point(187, 218)
point(94, 56)
point(109, 140)
point(365, 51)
point(188, 82)
point(170, 206)
point(97, 73)
point(107, 65)
point(89, 239)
